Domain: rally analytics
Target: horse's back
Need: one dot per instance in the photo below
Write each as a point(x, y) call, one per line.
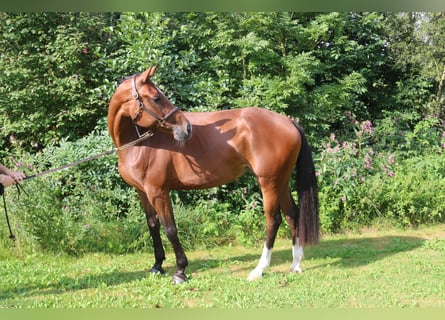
point(263, 140)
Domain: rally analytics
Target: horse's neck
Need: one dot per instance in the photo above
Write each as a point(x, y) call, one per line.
point(120, 125)
point(123, 129)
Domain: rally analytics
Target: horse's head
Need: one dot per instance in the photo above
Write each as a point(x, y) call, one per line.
point(152, 109)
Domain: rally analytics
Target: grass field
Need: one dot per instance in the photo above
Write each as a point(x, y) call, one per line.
point(372, 268)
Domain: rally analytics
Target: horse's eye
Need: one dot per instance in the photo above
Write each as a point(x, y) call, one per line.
point(156, 99)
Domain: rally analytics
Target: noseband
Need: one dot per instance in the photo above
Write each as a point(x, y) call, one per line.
point(141, 107)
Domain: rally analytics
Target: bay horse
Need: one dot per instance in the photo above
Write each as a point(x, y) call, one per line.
point(198, 150)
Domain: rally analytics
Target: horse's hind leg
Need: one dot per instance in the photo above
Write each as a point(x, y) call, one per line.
point(154, 228)
point(273, 221)
point(290, 210)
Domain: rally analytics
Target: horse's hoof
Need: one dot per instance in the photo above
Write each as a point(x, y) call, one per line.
point(255, 275)
point(157, 270)
point(179, 278)
point(296, 270)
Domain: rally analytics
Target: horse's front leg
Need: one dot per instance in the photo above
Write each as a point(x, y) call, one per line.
point(154, 228)
point(162, 204)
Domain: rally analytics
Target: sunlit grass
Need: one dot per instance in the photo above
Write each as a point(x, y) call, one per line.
point(372, 269)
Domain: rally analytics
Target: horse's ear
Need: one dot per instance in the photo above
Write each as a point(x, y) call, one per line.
point(148, 73)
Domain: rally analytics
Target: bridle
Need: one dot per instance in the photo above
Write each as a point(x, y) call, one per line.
point(141, 107)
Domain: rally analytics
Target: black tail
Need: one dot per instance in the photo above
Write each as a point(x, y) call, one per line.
point(308, 220)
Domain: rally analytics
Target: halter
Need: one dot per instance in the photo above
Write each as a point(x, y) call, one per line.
point(160, 119)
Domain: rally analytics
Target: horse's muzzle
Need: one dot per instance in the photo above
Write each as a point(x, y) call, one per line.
point(183, 133)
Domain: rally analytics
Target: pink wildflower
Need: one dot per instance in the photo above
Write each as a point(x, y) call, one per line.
point(391, 159)
point(329, 149)
point(367, 127)
point(368, 162)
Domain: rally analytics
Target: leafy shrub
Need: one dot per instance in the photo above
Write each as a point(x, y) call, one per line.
point(207, 224)
point(343, 168)
point(359, 184)
point(85, 208)
point(415, 194)
point(53, 71)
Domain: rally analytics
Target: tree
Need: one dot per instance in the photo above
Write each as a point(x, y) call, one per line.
point(58, 70)
point(417, 47)
point(52, 70)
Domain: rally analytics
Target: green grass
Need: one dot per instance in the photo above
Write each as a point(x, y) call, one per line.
point(372, 268)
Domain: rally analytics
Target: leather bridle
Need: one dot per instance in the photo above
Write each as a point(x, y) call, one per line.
point(141, 107)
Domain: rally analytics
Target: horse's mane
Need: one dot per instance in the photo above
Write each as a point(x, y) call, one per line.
point(127, 77)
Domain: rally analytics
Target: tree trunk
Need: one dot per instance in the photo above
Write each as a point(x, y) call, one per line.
point(440, 87)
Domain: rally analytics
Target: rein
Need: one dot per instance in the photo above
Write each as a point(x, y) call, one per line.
point(141, 138)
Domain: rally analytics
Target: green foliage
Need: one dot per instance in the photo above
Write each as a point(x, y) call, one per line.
point(367, 88)
point(315, 67)
point(84, 208)
point(207, 224)
point(359, 184)
point(414, 196)
point(52, 72)
point(344, 167)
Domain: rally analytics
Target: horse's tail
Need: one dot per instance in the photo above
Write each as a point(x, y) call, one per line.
point(308, 220)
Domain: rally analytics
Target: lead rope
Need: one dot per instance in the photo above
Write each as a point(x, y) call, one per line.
point(11, 236)
point(141, 138)
point(2, 191)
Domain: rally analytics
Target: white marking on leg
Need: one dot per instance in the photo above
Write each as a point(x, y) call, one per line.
point(264, 262)
point(297, 254)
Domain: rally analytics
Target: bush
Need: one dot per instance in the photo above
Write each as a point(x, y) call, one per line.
point(85, 208)
point(207, 224)
point(55, 72)
point(359, 184)
point(344, 166)
point(415, 195)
